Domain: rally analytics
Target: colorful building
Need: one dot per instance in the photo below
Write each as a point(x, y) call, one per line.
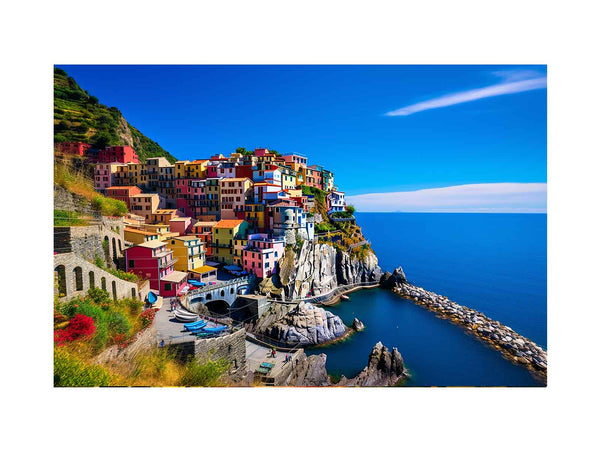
point(204, 274)
point(73, 148)
point(138, 236)
point(118, 153)
point(234, 194)
point(188, 252)
point(164, 215)
point(150, 260)
point(123, 193)
point(181, 225)
point(204, 232)
point(262, 253)
point(336, 201)
point(224, 232)
point(104, 176)
point(172, 283)
point(295, 158)
point(145, 205)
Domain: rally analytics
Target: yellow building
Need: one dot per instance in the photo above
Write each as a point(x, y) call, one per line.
point(189, 252)
point(196, 169)
point(255, 216)
point(288, 178)
point(224, 233)
point(162, 216)
point(180, 167)
point(139, 236)
point(238, 251)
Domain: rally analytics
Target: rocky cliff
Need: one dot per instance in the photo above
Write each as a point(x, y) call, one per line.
point(384, 368)
point(318, 269)
point(304, 324)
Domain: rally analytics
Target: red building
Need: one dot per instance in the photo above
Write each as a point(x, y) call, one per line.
point(151, 260)
point(243, 171)
point(123, 193)
point(118, 153)
point(73, 148)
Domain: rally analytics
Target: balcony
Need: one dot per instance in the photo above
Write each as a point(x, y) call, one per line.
point(163, 264)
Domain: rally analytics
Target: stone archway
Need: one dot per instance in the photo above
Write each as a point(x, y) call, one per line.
point(106, 248)
point(114, 248)
point(61, 280)
point(114, 290)
point(220, 307)
point(92, 276)
point(103, 284)
point(77, 279)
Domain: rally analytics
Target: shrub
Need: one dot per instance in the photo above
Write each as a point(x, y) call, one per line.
point(204, 374)
point(351, 209)
point(134, 306)
point(72, 372)
point(147, 317)
point(98, 296)
point(79, 326)
point(117, 323)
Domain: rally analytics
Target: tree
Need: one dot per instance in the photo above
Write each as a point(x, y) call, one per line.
point(351, 209)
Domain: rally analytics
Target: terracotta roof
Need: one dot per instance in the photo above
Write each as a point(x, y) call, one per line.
point(228, 223)
point(201, 223)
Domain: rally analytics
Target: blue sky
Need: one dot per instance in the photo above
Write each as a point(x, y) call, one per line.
point(381, 129)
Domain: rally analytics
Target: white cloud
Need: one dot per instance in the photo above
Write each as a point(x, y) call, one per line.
point(514, 81)
point(489, 197)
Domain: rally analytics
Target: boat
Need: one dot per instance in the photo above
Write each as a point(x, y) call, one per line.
point(186, 317)
point(215, 329)
point(196, 283)
point(184, 312)
point(344, 297)
point(196, 326)
point(152, 297)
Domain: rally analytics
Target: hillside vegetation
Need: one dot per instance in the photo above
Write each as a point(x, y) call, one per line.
point(80, 117)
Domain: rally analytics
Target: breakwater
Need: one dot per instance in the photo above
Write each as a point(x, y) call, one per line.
point(511, 344)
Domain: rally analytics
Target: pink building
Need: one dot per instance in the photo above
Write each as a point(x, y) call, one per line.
point(261, 255)
point(172, 284)
point(181, 225)
point(295, 158)
point(104, 175)
point(73, 148)
point(151, 260)
point(118, 153)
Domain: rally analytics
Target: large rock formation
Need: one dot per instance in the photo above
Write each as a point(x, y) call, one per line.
point(304, 324)
point(392, 280)
point(319, 268)
point(309, 371)
point(385, 368)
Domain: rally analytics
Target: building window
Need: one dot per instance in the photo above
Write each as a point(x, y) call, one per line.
point(167, 286)
point(131, 264)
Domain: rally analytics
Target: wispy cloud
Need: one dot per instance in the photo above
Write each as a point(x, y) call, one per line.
point(513, 81)
point(489, 197)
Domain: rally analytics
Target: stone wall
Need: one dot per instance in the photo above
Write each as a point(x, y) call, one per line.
point(231, 347)
point(69, 201)
point(87, 241)
point(77, 276)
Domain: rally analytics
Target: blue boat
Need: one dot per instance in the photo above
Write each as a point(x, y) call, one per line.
point(215, 329)
point(152, 297)
point(195, 325)
point(196, 283)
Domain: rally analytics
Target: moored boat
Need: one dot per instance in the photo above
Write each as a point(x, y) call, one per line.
point(152, 297)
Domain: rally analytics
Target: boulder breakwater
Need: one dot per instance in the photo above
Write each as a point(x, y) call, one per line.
point(511, 344)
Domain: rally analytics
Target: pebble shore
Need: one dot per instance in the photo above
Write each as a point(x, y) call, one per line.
point(512, 345)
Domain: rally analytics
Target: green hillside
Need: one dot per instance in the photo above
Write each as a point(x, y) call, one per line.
point(79, 117)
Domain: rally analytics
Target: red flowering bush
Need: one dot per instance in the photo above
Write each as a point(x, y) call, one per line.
point(79, 326)
point(147, 317)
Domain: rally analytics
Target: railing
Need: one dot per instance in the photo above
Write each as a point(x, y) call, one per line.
point(211, 287)
point(335, 292)
point(359, 244)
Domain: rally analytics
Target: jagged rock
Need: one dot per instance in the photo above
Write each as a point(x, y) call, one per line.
point(304, 323)
point(319, 268)
point(357, 325)
point(309, 371)
point(392, 280)
point(385, 368)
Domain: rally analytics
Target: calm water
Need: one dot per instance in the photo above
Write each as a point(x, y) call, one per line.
point(495, 263)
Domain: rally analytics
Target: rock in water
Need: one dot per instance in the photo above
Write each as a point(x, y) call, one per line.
point(304, 324)
point(357, 325)
point(385, 368)
point(392, 280)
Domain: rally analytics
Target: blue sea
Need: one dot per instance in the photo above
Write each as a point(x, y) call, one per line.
point(494, 263)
